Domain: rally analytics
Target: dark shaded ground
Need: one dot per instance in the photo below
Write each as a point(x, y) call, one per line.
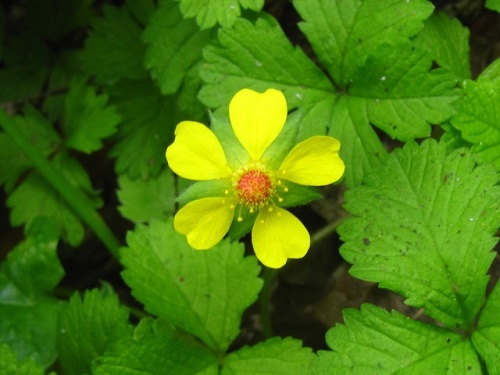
point(308, 295)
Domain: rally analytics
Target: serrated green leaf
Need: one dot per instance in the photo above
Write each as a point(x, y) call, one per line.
point(88, 328)
point(274, 356)
point(202, 292)
point(447, 41)
point(486, 338)
point(157, 350)
point(28, 316)
point(259, 57)
point(210, 12)
point(493, 5)
point(114, 49)
point(10, 365)
point(478, 118)
point(147, 128)
point(88, 118)
point(35, 197)
point(174, 46)
point(373, 341)
point(142, 200)
point(344, 33)
point(491, 72)
point(400, 92)
point(42, 137)
point(422, 226)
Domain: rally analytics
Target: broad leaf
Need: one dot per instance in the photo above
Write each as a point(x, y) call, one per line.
point(88, 328)
point(274, 356)
point(174, 46)
point(423, 226)
point(373, 341)
point(157, 349)
point(201, 292)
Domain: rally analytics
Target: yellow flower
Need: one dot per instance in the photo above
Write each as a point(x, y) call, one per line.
point(253, 186)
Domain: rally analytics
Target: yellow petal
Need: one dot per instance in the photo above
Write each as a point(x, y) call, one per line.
point(313, 162)
point(204, 221)
point(196, 153)
point(257, 119)
point(278, 235)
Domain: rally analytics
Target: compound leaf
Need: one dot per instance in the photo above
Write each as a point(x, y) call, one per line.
point(422, 226)
point(201, 292)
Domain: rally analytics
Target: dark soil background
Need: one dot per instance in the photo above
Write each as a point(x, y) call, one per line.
point(308, 295)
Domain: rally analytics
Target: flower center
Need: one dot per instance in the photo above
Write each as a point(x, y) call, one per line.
point(254, 188)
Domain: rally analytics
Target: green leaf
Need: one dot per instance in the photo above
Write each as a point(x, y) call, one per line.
point(274, 356)
point(210, 12)
point(418, 222)
point(113, 49)
point(147, 128)
point(10, 365)
point(28, 316)
point(401, 94)
point(159, 351)
point(42, 137)
point(87, 118)
point(201, 292)
point(493, 5)
point(395, 89)
point(486, 338)
point(344, 33)
point(145, 199)
point(88, 328)
point(478, 119)
point(373, 341)
point(174, 46)
point(36, 197)
point(448, 43)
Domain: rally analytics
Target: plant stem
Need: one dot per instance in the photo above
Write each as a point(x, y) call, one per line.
point(73, 197)
point(325, 231)
point(264, 301)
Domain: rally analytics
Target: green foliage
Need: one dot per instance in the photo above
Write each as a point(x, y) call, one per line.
point(88, 328)
point(91, 94)
point(28, 314)
point(165, 275)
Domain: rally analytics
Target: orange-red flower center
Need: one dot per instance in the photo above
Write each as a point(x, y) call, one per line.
point(254, 187)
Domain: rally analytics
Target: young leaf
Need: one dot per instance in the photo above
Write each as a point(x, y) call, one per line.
point(10, 365)
point(274, 356)
point(42, 137)
point(142, 200)
point(423, 226)
point(159, 351)
point(113, 49)
point(87, 118)
point(344, 33)
point(210, 12)
point(174, 46)
point(88, 328)
point(28, 316)
point(201, 292)
point(35, 197)
point(146, 130)
point(448, 43)
point(486, 338)
point(373, 341)
point(478, 118)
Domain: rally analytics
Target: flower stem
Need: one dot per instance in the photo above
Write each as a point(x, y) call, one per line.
point(326, 231)
point(265, 301)
point(73, 197)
